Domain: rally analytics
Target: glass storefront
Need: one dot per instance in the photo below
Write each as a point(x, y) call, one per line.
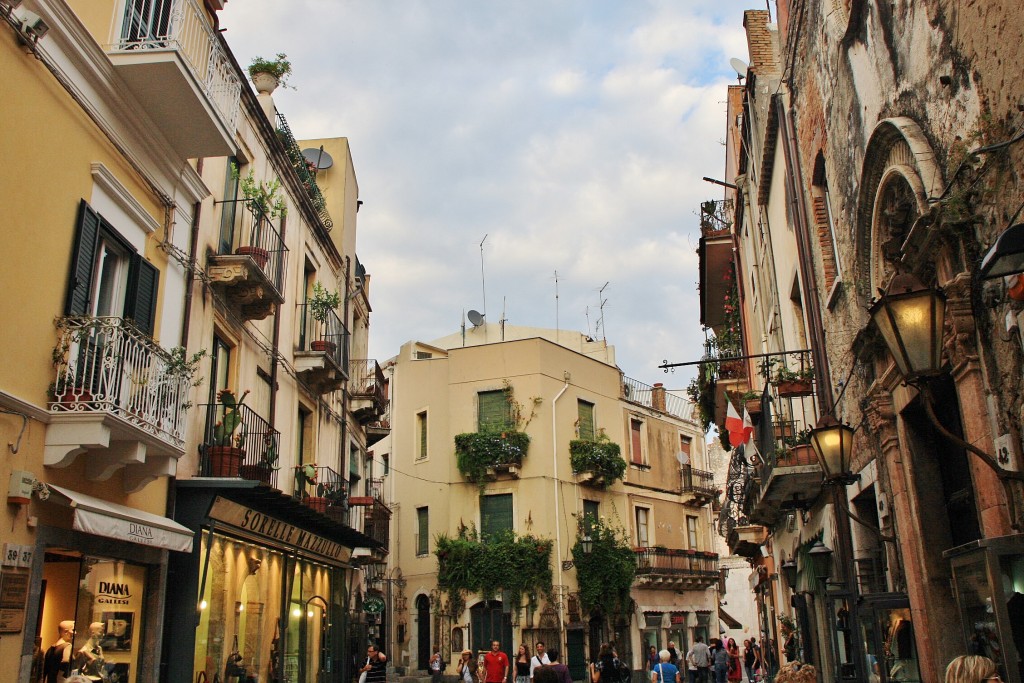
point(104, 600)
point(890, 648)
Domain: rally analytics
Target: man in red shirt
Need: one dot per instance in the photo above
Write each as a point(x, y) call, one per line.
point(496, 663)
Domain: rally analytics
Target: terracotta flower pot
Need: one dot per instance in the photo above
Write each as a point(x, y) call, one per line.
point(323, 345)
point(316, 503)
point(258, 254)
point(795, 388)
point(259, 473)
point(225, 461)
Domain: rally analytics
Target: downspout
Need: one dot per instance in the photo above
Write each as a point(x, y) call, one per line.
point(190, 280)
point(275, 342)
point(558, 517)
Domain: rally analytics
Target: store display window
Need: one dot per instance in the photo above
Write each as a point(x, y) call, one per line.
point(308, 654)
point(239, 610)
point(92, 616)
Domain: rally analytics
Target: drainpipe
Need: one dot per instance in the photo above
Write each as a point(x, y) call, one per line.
point(558, 517)
point(274, 362)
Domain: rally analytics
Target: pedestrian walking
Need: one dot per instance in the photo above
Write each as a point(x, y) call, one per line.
point(665, 671)
point(466, 668)
point(652, 658)
point(608, 668)
point(700, 655)
point(436, 666)
point(495, 664)
point(522, 664)
point(748, 660)
point(721, 662)
point(376, 666)
point(735, 669)
point(561, 669)
point(673, 654)
point(972, 669)
point(539, 659)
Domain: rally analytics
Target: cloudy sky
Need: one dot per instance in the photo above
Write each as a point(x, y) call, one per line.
point(572, 133)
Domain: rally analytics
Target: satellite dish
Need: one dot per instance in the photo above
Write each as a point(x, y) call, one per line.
point(683, 458)
point(739, 66)
point(476, 317)
point(318, 157)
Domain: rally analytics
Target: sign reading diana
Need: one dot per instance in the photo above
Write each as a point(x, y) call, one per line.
point(273, 530)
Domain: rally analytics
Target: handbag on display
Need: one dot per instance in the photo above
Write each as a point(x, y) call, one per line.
point(234, 667)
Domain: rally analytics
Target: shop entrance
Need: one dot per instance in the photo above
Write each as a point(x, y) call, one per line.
point(488, 622)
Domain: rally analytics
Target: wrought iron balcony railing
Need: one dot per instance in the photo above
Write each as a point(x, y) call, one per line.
point(698, 482)
point(366, 381)
point(329, 336)
point(322, 489)
point(656, 398)
point(183, 26)
point(370, 514)
point(106, 365)
point(676, 568)
point(258, 238)
point(871, 571)
point(305, 171)
point(237, 442)
point(716, 217)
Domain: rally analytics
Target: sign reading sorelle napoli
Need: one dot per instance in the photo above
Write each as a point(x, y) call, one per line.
point(273, 530)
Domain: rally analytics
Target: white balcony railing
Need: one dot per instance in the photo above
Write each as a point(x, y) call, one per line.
point(183, 25)
point(106, 365)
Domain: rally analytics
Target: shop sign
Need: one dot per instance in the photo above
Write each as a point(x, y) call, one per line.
point(13, 597)
point(373, 604)
point(273, 530)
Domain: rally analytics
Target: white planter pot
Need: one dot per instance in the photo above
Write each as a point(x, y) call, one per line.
point(265, 83)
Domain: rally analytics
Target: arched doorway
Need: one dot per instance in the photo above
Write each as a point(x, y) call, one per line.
point(422, 632)
point(488, 622)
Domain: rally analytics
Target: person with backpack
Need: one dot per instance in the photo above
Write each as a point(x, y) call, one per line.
point(539, 659)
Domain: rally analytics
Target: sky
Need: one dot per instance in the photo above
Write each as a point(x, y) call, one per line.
point(573, 134)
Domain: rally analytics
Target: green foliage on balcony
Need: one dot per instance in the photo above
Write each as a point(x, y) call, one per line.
point(476, 451)
point(605, 574)
point(507, 563)
point(602, 457)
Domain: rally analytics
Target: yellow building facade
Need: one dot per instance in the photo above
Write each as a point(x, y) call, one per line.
point(558, 387)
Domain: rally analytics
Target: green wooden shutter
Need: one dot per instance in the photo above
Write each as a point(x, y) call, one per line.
point(140, 303)
point(82, 259)
point(421, 420)
point(495, 514)
point(585, 411)
point(423, 529)
point(494, 413)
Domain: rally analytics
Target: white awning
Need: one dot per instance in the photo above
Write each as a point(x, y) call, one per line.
point(103, 518)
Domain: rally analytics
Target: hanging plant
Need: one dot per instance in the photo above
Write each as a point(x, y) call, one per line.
point(605, 574)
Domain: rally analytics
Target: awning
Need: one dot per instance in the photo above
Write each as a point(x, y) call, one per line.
point(728, 619)
point(103, 518)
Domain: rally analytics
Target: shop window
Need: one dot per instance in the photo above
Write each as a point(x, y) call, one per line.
point(495, 515)
point(104, 599)
point(651, 635)
point(585, 420)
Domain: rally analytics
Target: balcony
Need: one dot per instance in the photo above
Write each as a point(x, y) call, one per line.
point(251, 265)
point(322, 490)
point(790, 478)
point(715, 258)
point(746, 540)
point(307, 174)
point(250, 451)
point(698, 486)
point(367, 390)
point(321, 357)
point(679, 570)
point(378, 429)
point(371, 515)
point(172, 61)
point(871, 570)
point(114, 396)
point(656, 398)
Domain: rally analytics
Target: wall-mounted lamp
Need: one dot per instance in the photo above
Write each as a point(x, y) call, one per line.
point(588, 544)
point(1006, 256)
point(789, 572)
point(821, 560)
point(832, 442)
point(910, 317)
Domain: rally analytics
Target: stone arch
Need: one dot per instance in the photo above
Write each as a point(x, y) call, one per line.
point(898, 163)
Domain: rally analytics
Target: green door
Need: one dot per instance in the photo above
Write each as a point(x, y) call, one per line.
point(575, 658)
point(487, 623)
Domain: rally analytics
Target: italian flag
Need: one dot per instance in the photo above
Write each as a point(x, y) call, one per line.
point(739, 428)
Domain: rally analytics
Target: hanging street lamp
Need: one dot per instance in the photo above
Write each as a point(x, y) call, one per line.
point(910, 317)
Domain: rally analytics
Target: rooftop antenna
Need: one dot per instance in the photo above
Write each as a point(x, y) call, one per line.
point(504, 302)
point(483, 280)
point(463, 326)
point(586, 312)
point(600, 322)
point(557, 328)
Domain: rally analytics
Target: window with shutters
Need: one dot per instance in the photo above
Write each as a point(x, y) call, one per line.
point(422, 531)
point(585, 420)
point(691, 532)
point(108, 276)
point(636, 451)
point(643, 519)
point(421, 435)
point(495, 515)
point(494, 412)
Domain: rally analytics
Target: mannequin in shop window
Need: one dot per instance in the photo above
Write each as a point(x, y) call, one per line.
point(90, 657)
point(57, 661)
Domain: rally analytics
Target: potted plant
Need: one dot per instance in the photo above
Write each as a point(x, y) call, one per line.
point(268, 74)
point(794, 383)
point(799, 449)
point(306, 477)
point(263, 196)
point(320, 306)
point(751, 400)
point(225, 451)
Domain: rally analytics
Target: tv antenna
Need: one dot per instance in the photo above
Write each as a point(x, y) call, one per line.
point(557, 328)
point(483, 280)
point(600, 320)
